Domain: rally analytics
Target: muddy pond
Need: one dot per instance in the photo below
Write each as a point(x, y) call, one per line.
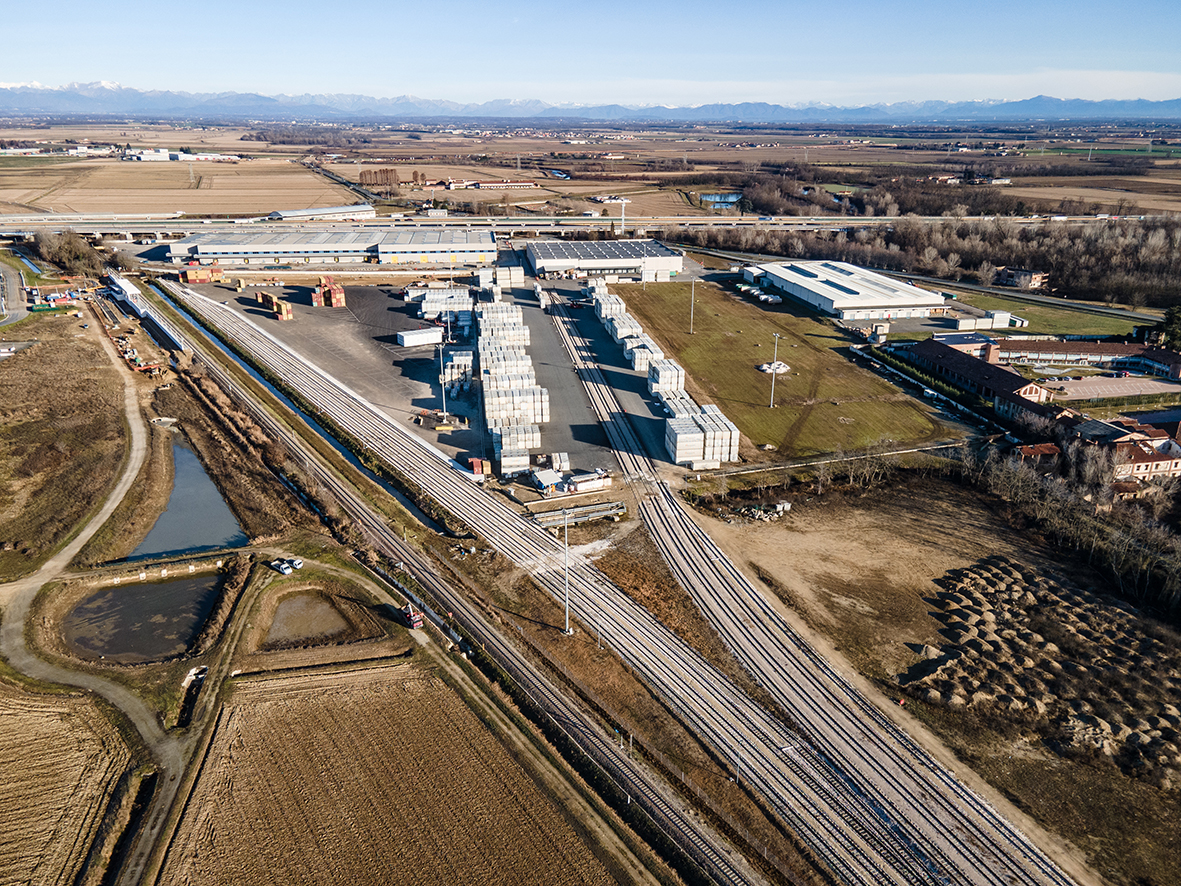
point(197, 517)
point(302, 617)
point(141, 622)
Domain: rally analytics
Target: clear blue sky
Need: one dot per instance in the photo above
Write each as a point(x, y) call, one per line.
point(640, 52)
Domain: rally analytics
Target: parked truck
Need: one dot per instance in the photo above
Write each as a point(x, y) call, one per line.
point(411, 616)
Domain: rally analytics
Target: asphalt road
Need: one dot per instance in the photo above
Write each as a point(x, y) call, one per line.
point(12, 296)
point(169, 752)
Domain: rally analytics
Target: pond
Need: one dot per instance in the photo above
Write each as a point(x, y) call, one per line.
point(304, 617)
point(721, 199)
point(197, 517)
point(141, 622)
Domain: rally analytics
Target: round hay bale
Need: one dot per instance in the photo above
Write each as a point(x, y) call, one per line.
point(1038, 706)
point(981, 697)
point(955, 700)
point(933, 696)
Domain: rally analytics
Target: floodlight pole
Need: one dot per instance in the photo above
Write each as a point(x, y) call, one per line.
point(774, 360)
point(443, 382)
point(692, 298)
point(566, 558)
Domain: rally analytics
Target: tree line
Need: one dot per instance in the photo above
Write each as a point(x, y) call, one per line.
point(1134, 262)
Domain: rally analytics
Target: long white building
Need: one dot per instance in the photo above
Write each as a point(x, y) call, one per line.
point(441, 247)
point(846, 291)
point(646, 257)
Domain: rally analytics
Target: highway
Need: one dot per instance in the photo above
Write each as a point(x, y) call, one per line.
point(865, 798)
point(171, 225)
point(697, 839)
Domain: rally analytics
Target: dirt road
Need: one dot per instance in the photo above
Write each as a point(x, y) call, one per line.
point(15, 598)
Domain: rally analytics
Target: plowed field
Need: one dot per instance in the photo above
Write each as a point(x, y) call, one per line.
point(60, 761)
point(378, 776)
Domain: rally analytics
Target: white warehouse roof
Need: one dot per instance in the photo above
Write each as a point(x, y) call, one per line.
point(385, 245)
point(849, 292)
point(597, 255)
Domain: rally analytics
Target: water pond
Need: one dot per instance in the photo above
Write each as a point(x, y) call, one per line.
point(197, 517)
point(304, 617)
point(141, 622)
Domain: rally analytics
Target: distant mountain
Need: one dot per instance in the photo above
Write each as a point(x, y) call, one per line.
point(93, 99)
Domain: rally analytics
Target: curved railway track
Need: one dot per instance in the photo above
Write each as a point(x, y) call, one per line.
point(699, 842)
point(855, 789)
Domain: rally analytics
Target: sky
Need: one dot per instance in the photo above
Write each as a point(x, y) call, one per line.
point(690, 52)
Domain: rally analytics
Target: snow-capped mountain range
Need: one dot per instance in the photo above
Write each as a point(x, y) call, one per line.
point(105, 98)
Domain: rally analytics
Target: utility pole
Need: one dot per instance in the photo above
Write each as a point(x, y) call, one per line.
point(774, 360)
point(692, 298)
point(566, 557)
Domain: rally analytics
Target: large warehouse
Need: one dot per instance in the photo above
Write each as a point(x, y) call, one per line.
point(399, 247)
point(647, 258)
point(846, 291)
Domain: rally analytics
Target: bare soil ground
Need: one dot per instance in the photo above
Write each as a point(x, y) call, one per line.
point(61, 437)
point(250, 186)
point(890, 585)
point(61, 761)
point(378, 776)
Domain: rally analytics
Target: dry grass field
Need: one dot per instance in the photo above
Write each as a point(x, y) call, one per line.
point(1127, 195)
point(61, 436)
point(374, 777)
point(254, 186)
point(61, 761)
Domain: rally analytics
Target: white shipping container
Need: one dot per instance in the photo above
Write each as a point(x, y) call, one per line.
point(432, 335)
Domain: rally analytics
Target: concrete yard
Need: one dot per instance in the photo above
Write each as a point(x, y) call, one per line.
point(1098, 387)
point(358, 345)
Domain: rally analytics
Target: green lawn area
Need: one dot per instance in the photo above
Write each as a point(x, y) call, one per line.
point(1052, 320)
point(35, 160)
point(825, 403)
point(28, 276)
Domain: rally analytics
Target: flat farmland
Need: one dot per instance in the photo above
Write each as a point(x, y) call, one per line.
point(371, 777)
point(823, 404)
point(250, 186)
point(61, 761)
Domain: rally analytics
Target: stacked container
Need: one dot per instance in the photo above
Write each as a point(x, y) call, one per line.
point(702, 441)
point(608, 306)
point(458, 367)
point(513, 462)
point(520, 437)
point(665, 375)
point(623, 326)
point(678, 403)
point(528, 405)
point(447, 307)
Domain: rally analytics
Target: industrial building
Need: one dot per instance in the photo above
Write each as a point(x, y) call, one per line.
point(646, 258)
point(846, 291)
point(400, 247)
point(326, 213)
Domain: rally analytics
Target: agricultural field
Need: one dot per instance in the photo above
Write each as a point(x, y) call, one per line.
point(59, 454)
point(1157, 192)
point(992, 637)
point(247, 187)
point(61, 761)
point(823, 404)
point(372, 777)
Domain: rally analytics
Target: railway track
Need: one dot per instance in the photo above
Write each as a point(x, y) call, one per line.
point(797, 677)
point(699, 842)
point(866, 800)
